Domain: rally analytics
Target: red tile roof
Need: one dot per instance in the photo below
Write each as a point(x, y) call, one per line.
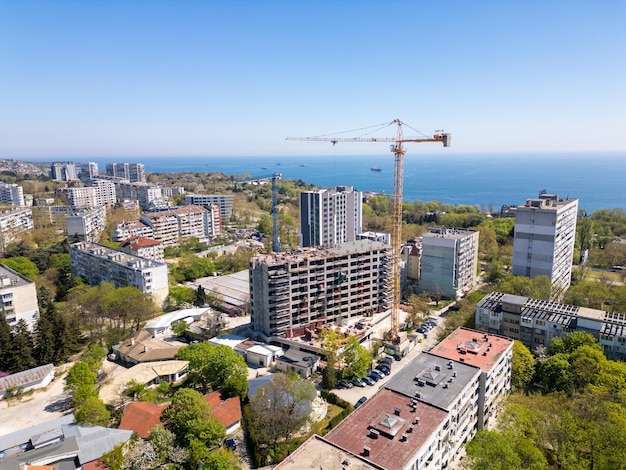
point(227, 411)
point(95, 465)
point(141, 417)
point(139, 242)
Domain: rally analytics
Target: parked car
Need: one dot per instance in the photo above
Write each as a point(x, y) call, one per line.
point(360, 402)
point(397, 357)
point(358, 382)
point(383, 368)
point(376, 375)
point(380, 372)
point(386, 360)
point(368, 380)
point(344, 384)
point(230, 443)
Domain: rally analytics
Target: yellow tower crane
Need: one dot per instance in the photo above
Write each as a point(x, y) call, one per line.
point(397, 148)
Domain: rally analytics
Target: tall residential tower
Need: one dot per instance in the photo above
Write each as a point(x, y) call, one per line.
point(545, 231)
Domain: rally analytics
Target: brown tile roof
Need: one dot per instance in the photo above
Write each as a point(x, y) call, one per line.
point(473, 347)
point(227, 411)
point(137, 242)
point(141, 417)
point(390, 450)
point(95, 465)
point(144, 348)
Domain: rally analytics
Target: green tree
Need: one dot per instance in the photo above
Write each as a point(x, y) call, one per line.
point(22, 265)
point(200, 298)
point(80, 374)
point(555, 374)
point(180, 297)
point(5, 344)
point(522, 367)
point(329, 375)
point(180, 327)
point(491, 450)
point(281, 408)
point(355, 358)
point(21, 352)
point(92, 412)
point(222, 459)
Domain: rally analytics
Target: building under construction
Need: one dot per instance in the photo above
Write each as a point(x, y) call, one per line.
point(291, 293)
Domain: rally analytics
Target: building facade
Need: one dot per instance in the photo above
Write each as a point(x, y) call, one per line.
point(132, 172)
point(88, 170)
point(18, 297)
point(449, 262)
point(11, 194)
point(63, 171)
point(12, 224)
point(292, 291)
point(330, 216)
point(144, 248)
point(97, 263)
point(183, 222)
point(225, 202)
point(145, 194)
point(537, 322)
point(545, 231)
point(86, 224)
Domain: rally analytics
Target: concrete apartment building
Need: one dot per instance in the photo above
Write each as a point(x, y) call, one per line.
point(18, 297)
point(449, 262)
point(97, 263)
point(423, 416)
point(63, 171)
point(133, 172)
point(184, 222)
point(537, 322)
point(330, 216)
point(225, 201)
point(86, 224)
point(146, 194)
point(144, 248)
point(136, 228)
point(11, 194)
point(12, 224)
point(545, 231)
point(106, 194)
point(292, 291)
point(88, 171)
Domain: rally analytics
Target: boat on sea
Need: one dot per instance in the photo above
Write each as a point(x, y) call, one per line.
point(263, 168)
point(301, 164)
point(377, 168)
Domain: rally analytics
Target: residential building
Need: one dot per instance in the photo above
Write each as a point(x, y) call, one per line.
point(12, 224)
point(106, 194)
point(86, 224)
point(132, 172)
point(226, 410)
point(32, 379)
point(145, 194)
point(184, 222)
point(102, 193)
point(144, 248)
point(169, 191)
point(449, 262)
point(88, 170)
point(141, 417)
point(136, 228)
point(493, 354)
point(18, 296)
point(11, 194)
point(290, 292)
point(537, 322)
point(97, 263)
point(330, 216)
point(376, 236)
point(299, 362)
point(63, 171)
point(545, 231)
point(225, 202)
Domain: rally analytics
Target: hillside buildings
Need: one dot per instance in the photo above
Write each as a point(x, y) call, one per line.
point(290, 292)
point(449, 262)
point(88, 171)
point(545, 231)
point(63, 171)
point(144, 248)
point(183, 222)
point(537, 322)
point(97, 263)
point(132, 172)
point(423, 416)
point(11, 194)
point(18, 297)
point(330, 216)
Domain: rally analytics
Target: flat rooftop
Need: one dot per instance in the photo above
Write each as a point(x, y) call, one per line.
point(393, 430)
point(115, 256)
point(483, 350)
point(10, 278)
point(433, 379)
point(316, 453)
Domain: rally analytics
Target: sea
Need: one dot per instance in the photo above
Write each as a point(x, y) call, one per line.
point(488, 181)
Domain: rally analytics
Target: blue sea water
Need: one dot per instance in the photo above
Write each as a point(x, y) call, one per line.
point(598, 180)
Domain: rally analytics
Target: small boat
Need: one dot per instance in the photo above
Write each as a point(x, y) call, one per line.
point(377, 168)
point(263, 168)
point(301, 164)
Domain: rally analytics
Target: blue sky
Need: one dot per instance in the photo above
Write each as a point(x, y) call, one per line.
point(90, 78)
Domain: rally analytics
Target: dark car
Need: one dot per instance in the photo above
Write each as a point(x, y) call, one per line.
point(368, 380)
point(386, 360)
point(344, 384)
point(383, 368)
point(360, 402)
point(376, 375)
point(230, 443)
point(358, 382)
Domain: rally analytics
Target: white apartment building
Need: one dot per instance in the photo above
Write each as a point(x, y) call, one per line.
point(63, 171)
point(449, 262)
point(292, 291)
point(545, 231)
point(144, 248)
point(11, 194)
point(225, 201)
point(86, 224)
point(537, 322)
point(105, 192)
point(12, 224)
point(184, 222)
point(81, 196)
point(330, 216)
point(145, 194)
point(88, 170)
point(133, 172)
point(136, 228)
point(169, 191)
point(18, 296)
point(97, 263)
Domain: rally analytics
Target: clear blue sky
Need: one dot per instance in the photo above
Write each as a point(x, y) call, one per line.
point(90, 78)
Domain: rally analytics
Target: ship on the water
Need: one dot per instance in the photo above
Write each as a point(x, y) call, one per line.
point(377, 168)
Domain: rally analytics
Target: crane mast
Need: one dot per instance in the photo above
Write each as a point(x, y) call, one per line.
point(398, 150)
